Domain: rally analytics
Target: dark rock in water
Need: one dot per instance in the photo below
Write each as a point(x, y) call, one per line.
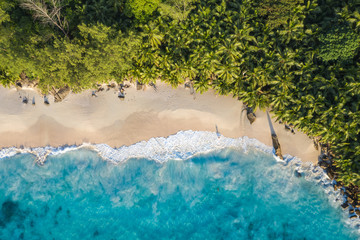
point(297, 173)
point(357, 211)
point(9, 209)
point(353, 216)
point(345, 205)
point(96, 233)
point(330, 173)
point(351, 211)
point(21, 236)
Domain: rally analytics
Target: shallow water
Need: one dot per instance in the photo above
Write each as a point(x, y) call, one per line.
point(225, 194)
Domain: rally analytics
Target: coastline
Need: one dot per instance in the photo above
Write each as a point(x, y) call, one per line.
point(142, 115)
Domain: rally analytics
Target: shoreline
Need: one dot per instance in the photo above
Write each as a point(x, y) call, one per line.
point(142, 115)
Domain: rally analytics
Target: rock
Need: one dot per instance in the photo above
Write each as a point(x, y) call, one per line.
point(330, 173)
point(353, 216)
point(345, 205)
point(323, 164)
point(251, 117)
point(357, 211)
point(351, 211)
point(297, 173)
point(249, 113)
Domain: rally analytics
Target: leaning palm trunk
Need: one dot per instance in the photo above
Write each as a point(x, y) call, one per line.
point(276, 145)
point(274, 138)
point(48, 12)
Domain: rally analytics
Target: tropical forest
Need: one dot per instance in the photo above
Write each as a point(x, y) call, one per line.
point(298, 58)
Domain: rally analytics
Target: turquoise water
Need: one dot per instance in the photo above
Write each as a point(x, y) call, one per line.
point(222, 195)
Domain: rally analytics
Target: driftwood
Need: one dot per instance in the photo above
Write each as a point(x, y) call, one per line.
point(61, 94)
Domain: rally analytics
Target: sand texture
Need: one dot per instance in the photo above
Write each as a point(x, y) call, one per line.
point(142, 115)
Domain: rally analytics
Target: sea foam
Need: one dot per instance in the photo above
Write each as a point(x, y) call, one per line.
point(182, 146)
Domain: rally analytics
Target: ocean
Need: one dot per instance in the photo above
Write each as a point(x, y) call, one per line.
point(215, 189)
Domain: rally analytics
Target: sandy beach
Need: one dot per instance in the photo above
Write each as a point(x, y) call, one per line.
point(143, 114)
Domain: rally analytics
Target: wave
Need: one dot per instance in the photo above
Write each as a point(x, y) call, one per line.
point(180, 146)
point(185, 145)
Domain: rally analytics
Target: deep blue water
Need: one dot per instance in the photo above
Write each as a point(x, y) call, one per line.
point(221, 195)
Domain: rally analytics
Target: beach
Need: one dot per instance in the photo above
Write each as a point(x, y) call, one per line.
point(143, 114)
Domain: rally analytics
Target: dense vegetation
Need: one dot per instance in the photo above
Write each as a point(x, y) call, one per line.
point(298, 57)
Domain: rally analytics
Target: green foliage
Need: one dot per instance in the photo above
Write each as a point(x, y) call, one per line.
point(142, 10)
point(176, 9)
point(277, 12)
point(340, 43)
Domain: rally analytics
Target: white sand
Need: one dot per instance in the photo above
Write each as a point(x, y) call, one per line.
point(142, 115)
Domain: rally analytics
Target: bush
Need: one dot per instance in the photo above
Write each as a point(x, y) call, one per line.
point(340, 43)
